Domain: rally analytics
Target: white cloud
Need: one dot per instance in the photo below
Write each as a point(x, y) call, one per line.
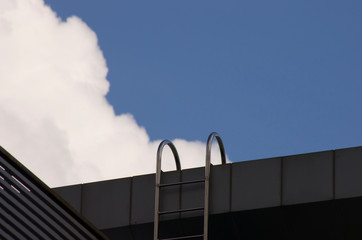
point(54, 116)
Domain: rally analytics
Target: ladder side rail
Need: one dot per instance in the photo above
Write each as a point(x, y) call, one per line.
point(158, 180)
point(207, 176)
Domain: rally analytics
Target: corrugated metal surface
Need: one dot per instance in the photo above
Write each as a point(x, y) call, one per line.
point(31, 210)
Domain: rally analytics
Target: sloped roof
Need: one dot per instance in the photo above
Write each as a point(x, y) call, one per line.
point(29, 209)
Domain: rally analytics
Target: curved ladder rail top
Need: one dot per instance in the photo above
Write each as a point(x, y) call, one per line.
point(207, 176)
point(158, 179)
point(174, 151)
point(209, 145)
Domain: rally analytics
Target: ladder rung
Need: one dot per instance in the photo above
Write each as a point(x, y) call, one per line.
point(181, 183)
point(185, 237)
point(181, 210)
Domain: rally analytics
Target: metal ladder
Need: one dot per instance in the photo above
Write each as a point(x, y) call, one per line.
point(206, 182)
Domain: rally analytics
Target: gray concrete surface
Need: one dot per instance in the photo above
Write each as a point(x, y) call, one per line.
point(258, 184)
point(348, 174)
point(307, 178)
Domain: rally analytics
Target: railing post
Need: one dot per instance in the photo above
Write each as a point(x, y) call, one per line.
point(207, 176)
point(158, 180)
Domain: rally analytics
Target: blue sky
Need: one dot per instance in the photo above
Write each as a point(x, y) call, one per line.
point(272, 77)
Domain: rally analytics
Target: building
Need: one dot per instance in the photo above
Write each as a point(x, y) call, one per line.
point(31, 210)
point(308, 196)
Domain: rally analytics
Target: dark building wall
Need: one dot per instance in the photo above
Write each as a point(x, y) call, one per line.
point(278, 195)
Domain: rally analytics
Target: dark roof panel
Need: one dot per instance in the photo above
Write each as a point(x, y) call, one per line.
point(29, 209)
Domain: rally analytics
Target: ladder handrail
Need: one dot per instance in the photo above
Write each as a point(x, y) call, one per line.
point(207, 175)
point(174, 151)
point(221, 146)
point(158, 179)
point(178, 167)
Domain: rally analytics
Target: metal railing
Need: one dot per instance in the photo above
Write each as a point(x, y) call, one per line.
point(206, 182)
